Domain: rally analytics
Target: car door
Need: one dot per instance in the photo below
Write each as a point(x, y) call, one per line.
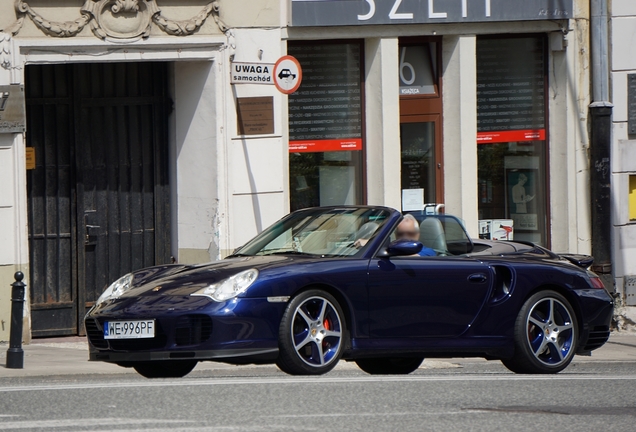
point(418, 297)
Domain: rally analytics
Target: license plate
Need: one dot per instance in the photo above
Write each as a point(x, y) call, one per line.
point(133, 329)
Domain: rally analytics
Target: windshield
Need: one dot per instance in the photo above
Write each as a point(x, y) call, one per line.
point(328, 232)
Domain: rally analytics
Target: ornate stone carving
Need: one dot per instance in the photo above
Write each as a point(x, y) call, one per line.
point(5, 50)
point(186, 28)
point(119, 19)
point(125, 6)
point(52, 28)
point(5, 42)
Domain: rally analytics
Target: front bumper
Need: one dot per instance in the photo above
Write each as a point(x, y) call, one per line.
point(188, 328)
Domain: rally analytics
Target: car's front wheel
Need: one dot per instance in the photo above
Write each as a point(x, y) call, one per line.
point(311, 334)
point(546, 333)
point(165, 368)
point(390, 366)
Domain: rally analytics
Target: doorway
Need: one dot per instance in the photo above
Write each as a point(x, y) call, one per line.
point(98, 198)
point(421, 152)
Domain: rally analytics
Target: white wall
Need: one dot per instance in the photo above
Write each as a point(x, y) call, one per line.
point(459, 59)
point(569, 97)
point(257, 165)
point(382, 122)
point(195, 198)
point(623, 57)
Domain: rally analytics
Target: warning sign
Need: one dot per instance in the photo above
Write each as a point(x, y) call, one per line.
point(252, 73)
point(287, 74)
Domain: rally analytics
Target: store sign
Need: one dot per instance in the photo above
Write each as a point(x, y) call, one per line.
point(252, 73)
point(12, 109)
point(510, 90)
point(363, 12)
point(325, 113)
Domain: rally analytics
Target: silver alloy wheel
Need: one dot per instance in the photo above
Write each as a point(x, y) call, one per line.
point(550, 332)
point(316, 330)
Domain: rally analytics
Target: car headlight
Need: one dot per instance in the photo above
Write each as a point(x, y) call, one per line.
point(116, 289)
point(230, 287)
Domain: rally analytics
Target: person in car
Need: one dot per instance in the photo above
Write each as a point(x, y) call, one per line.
point(409, 229)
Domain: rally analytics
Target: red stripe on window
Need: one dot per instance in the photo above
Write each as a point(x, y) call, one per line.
point(508, 136)
point(318, 146)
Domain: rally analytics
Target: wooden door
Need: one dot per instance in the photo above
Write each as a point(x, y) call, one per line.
point(99, 196)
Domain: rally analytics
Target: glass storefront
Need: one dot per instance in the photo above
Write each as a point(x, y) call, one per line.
point(512, 131)
point(326, 125)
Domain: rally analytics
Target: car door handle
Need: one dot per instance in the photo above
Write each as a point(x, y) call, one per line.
point(477, 278)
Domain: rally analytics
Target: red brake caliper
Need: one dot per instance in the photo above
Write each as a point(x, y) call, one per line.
point(327, 325)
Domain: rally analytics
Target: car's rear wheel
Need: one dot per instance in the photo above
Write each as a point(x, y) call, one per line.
point(311, 334)
point(546, 333)
point(390, 366)
point(165, 368)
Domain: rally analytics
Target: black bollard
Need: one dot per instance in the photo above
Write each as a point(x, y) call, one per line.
point(15, 354)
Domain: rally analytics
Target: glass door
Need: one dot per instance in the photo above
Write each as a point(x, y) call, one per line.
point(421, 153)
point(419, 157)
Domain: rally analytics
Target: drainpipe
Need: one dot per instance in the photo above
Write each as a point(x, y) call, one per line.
point(600, 145)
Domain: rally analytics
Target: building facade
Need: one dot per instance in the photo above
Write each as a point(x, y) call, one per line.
point(152, 133)
point(622, 14)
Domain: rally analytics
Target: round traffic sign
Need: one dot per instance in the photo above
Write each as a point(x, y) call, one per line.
point(287, 74)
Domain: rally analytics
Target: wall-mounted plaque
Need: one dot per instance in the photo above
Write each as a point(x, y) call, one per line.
point(12, 109)
point(255, 115)
point(631, 104)
point(30, 158)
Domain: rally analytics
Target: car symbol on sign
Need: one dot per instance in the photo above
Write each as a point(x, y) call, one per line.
point(286, 74)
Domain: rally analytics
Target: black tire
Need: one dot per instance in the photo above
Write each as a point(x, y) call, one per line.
point(390, 366)
point(546, 334)
point(165, 368)
point(311, 334)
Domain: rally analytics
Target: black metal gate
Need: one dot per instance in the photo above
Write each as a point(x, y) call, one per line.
point(99, 195)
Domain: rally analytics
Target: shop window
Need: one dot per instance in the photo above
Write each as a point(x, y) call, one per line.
point(511, 125)
point(326, 125)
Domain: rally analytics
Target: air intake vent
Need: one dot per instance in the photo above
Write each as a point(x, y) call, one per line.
point(192, 330)
point(598, 336)
point(94, 334)
point(503, 283)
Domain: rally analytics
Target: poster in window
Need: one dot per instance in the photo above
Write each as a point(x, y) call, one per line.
point(521, 185)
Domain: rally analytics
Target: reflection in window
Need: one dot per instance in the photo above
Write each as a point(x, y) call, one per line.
point(320, 179)
point(418, 158)
point(512, 186)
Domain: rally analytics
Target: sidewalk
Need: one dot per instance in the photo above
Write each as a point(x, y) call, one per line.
point(69, 356)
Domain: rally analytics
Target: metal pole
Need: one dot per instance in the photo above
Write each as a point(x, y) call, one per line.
point(15, 354)
point(601, 144)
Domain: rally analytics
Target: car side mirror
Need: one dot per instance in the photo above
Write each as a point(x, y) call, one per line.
point(403, 248)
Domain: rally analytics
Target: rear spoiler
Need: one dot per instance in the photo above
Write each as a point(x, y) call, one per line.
point(583, 261)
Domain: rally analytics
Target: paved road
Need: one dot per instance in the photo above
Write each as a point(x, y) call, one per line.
point(443, 395)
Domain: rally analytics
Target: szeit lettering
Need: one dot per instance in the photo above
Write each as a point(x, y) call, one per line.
point(432, 12)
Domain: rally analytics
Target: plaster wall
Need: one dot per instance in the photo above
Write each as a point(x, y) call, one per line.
point(195, 187)
point(382, 122)
point(459, 61)
point(623, 163)
point(258, 165)
point(569, 97)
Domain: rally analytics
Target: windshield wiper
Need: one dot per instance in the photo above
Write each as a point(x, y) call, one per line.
point(290, 252)
point(238, 255)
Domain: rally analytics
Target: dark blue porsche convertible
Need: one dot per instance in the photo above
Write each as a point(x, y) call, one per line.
point(331, 283)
